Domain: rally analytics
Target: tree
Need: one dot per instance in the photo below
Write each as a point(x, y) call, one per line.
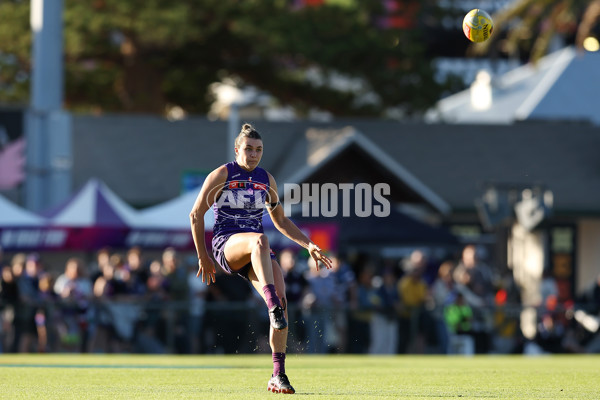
point(144, 55)
point(530, 25)
point(15, 45)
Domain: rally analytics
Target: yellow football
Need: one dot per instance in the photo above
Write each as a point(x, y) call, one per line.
point(478, 25)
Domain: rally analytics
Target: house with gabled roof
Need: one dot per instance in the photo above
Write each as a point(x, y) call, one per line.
point(562, 86)
point(346, 155)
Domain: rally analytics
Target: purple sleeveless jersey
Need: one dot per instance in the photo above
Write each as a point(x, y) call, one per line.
point(241, 204)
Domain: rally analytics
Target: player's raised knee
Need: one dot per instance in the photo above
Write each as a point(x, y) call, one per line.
point(262, 242)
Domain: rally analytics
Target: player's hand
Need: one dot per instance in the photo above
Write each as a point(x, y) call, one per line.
point(317, 254)
point(206, 268)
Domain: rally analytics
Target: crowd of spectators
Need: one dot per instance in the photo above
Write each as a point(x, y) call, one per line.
point(123, 302)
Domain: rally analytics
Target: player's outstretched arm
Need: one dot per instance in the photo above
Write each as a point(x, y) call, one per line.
point(289, 229)
point(209, 193)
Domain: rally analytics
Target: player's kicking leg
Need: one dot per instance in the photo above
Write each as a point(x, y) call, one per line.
point(279, 382)
point(244, 248)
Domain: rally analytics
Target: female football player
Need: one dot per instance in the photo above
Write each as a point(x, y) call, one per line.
point(239, 191)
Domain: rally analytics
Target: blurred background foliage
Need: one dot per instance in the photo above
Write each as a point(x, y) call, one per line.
point(341, 56)
point(145, 55)
point(526, 28)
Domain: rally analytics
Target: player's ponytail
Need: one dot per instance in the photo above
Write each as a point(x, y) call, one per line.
point(247, 131)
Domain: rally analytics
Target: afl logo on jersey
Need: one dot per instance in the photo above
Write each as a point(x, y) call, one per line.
point(242, 199)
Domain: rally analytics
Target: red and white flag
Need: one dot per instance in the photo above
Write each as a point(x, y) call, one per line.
point(12, 164)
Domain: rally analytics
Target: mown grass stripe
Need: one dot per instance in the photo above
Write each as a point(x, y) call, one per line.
point(124, 366)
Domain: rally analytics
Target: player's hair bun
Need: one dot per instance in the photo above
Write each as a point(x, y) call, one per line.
point(247, 131)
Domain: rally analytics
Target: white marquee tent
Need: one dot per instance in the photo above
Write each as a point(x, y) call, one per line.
point(94, 205)
point(22, 230)
point(11, 215)
point(174, 213)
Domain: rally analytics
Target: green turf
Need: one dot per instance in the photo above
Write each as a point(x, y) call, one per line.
point(314, 377)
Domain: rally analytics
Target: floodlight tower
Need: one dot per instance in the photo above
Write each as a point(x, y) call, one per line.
point(47, 126)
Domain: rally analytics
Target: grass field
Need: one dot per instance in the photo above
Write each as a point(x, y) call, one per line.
point(314, 377)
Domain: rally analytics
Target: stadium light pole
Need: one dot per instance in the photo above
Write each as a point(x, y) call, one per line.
point(47, 126)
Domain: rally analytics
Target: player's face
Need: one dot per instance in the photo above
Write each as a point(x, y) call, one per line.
point(249, 152)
